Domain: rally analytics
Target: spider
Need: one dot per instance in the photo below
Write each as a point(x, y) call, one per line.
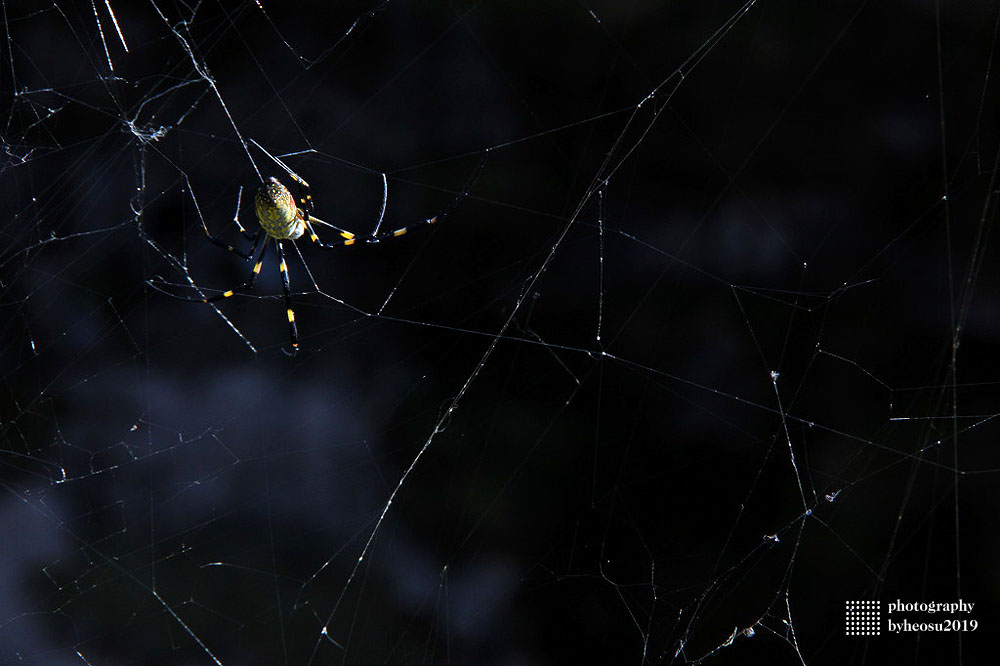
point(282, 219)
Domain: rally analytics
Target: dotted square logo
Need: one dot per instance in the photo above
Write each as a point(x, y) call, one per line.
point(863, 618)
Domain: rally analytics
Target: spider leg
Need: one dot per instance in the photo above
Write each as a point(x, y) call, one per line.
point(293, 331)
point(306, 205)
point(385, 200)
point(246, 234)
point(247, 284)
point(351, 239)
point(347, 237)
point(376, 236)
point(396, 233)
point(227, 246)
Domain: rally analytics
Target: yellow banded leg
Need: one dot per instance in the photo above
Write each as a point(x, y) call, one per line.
point(248, 284)
point(347, 237)
point(286, 288)
point(253, 238)
point(396, 233)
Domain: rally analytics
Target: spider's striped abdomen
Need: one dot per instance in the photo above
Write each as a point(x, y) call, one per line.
point(276, 210)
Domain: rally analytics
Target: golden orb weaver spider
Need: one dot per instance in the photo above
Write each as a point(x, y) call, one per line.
point(283, 219)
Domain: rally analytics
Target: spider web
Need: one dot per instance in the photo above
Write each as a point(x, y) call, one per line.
point(706, 352)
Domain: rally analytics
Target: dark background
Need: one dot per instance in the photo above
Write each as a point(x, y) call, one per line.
point(778, 220)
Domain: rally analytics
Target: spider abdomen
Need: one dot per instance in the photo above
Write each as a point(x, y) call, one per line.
point(277, 212)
